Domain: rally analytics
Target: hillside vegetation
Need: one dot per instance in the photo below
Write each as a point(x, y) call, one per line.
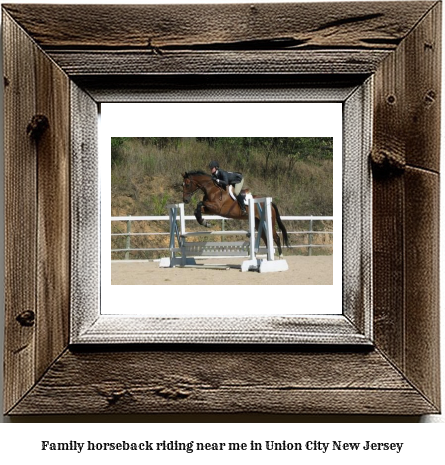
point(146, 172)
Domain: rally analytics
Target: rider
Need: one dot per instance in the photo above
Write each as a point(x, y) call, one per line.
point(225, 178)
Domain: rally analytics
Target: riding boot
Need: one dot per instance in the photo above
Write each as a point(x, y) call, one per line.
point(240, 198)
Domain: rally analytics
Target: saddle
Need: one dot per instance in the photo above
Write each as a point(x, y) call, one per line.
point(246, 192)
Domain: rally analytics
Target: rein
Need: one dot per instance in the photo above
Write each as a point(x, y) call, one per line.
point(201, 185)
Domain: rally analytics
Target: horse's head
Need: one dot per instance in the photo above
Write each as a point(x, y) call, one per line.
point(193, 181)
point(188, 188)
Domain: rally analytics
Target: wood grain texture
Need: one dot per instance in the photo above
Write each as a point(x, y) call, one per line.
point(220, 381)
point(422, 364)
point(357, 209)
point(109, 329)
point(53, 226)
point(37, 218)
point(100, 63)
point(85, 211)
point(20, 213)
point(161, 27)
point(217, 87)
point(224, 39)
point(406, 207)
point(388, 268)
point(407, 113)
point(389, 144)
point(423, 92)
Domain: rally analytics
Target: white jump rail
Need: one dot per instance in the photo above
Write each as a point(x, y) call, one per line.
point(248, 248)
point(130, 219)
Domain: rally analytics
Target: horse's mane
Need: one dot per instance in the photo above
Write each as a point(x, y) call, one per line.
point(199, 172)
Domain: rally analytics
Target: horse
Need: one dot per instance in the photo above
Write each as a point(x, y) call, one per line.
point(217, 201)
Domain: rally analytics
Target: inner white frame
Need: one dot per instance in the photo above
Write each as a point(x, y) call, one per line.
point(92, 326)
point(272, 119)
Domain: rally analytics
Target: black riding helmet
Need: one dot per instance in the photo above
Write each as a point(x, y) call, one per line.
point(213, 164)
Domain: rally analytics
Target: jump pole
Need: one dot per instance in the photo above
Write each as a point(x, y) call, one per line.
point(179, 235)
point(178, 243)
point(268, 265)
point(175, 236)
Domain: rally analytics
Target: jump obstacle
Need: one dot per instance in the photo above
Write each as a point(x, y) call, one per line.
point(248, 248)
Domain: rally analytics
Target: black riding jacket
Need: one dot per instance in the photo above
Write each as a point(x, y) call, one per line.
point(225, 178)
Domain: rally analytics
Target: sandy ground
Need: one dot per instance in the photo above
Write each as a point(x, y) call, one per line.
point(302, 270)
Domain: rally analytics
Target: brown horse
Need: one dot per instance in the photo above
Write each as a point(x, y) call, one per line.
point(217, 201)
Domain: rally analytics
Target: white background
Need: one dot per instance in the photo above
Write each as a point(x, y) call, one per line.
point(220, 120)
point(20, 442)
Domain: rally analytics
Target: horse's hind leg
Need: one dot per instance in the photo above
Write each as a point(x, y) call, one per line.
point(276, 238)
point(275, 235)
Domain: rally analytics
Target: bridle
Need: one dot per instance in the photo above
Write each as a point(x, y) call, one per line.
point(197, 188)
point(201, 185)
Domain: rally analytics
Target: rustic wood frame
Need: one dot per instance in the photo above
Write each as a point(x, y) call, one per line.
point(88, 52)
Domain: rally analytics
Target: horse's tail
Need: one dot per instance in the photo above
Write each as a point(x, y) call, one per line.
point(281, 226)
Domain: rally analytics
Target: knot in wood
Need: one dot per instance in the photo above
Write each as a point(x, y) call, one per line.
point(387, 163)
point(37, 126)
point(26, 318)
point(430, 97)
point(115, 396)
point(173, 393)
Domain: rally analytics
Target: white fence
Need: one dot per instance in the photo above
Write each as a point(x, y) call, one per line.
point(310, 232)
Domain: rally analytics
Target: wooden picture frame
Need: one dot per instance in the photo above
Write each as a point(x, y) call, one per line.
point(59, 68)
point(267, 323)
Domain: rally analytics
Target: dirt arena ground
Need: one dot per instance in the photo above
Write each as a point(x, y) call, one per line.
point(302, 270)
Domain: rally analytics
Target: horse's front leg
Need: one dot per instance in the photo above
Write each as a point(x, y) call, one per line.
point(198, 215)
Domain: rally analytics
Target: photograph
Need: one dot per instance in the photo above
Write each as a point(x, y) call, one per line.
point(152, 178)
point(162, 229)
